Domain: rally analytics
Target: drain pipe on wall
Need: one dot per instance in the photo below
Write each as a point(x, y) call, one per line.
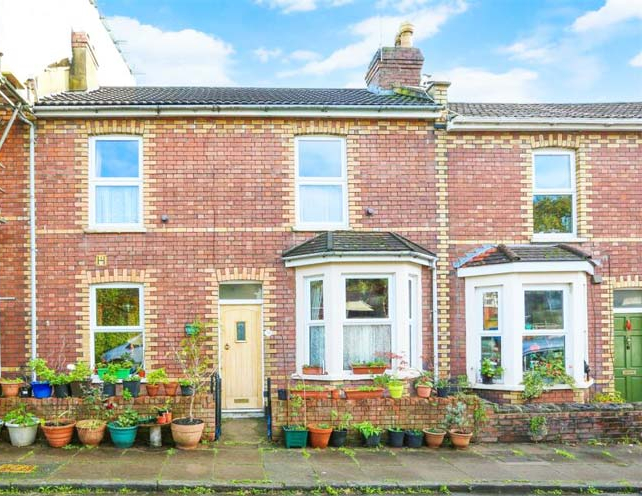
point(435, 323)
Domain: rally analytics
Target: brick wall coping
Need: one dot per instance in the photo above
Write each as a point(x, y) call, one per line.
point(567, 407)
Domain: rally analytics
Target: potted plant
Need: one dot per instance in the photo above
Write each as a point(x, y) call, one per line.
point(443, 387)
point(377, 366)
point(538, 428)
point(424, 384)
point(60, 383)
point(79, 379)
point(395, 437)
point(295, 435)
point(414, 438)
point(319, 435)
point(312, 370)
point(187, 388)
point(91, 429)
point(101, 369)
point(458, 425)
point(10, 387)
point(123, 430)
point(124, 366)
point(154, 380)
point(109, 384)
point(132, 384)
point(164, 413)
point(58, 430)
point(370, 433)
point(308, 391)
point(197, 367)
point(490, 370)
point(363, 392)
point(434, 437)
point(171, 386)
point(22, 426)
point(340, 432)
point(40, 388)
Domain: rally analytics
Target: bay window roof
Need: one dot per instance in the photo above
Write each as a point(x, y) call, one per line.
point(502, 254)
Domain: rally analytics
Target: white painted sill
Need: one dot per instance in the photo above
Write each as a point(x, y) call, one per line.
point(545, 238)
point(102, 230)
point(317, 228)
point(520, 387)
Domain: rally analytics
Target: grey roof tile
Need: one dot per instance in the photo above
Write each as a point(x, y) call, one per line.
point(195, 95)
point(353, 242)
point(501, 254)
point(623, 110)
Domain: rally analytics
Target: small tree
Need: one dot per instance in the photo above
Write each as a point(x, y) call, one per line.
point(197, 367)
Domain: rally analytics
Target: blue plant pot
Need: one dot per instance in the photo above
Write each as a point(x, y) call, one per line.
point(122, 437)
point(41, 389)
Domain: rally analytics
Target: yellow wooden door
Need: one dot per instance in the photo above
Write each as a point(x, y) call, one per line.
point(241, 356)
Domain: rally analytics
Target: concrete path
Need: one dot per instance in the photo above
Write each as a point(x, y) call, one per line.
point(231, 466)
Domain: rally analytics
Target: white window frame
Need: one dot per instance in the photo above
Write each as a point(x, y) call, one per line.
point(512, 323)
point(95, 181)
point(94, 328)
point(309, 322)
point(625, 309)
point(543, 236)
point(321, 181)
point(479, 324)
point(334, 276)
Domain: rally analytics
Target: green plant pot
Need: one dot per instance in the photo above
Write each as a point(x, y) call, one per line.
point(122, 373)
point(295, 438)
point(395, 390)
point(122, 437)
point(101, 372)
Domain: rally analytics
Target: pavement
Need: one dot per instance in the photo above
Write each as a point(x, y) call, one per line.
point(241, 463)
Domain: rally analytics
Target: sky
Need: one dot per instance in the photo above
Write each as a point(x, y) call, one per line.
point(491, 50)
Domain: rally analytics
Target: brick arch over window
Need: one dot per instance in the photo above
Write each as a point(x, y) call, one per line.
point(90, 278)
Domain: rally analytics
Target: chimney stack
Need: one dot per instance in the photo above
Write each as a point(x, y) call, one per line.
point(393, 67)
point(83, 74)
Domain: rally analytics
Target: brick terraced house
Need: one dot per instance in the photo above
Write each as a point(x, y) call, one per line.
point(327, 227)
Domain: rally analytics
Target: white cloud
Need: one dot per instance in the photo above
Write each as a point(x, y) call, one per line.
point(613, 12)
point(530, 50)
point(401, 5)
point(636, 61)
point(289, 6)
point(173, 57)
point(372, 30)
point(264, 55)
point(480, 85)
point(304, 55)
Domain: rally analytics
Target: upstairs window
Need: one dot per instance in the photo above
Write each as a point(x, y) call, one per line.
point(321, 189)
point(554, 208)
point(115, 182)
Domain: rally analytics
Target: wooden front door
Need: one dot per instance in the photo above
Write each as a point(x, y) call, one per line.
point(241, 367)
point(628, 356)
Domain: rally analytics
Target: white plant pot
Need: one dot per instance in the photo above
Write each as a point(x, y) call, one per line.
point(22, 436)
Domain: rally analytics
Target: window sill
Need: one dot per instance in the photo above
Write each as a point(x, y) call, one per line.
point(101, 230)
point(520, 387)
point(317, 228)
point(544, 238)
point(347, 377)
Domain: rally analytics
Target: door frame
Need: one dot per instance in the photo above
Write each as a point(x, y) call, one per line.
point(222, 303)
point(621, 311)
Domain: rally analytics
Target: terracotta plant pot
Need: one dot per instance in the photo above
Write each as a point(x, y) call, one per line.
point(164, 418)
point(59, 433)
point(91, 432)
point(313, 370)
point(319, 437)
point(434, 438)
point(187, 435)
point(152, 389)
point(310, 394)
point(355, 394)
point(171, 388)
point(335, 394)
point(10, 390)
point(423, 391)
point(460, 440)
point(364, 369)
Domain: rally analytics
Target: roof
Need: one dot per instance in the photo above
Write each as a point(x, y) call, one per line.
point(355, 242)
point(624, 110)
point(195, 95)
point(501, 254)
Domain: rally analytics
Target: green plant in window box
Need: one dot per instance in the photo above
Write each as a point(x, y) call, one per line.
point(376, 366)
point(490, 370)
point(545, 373)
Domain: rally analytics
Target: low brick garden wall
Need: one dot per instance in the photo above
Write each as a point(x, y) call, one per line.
point(502, 423)
point(204, 408)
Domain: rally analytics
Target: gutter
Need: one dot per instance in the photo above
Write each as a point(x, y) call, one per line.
point(377, 111)
point(463, 123)
point(293, 261)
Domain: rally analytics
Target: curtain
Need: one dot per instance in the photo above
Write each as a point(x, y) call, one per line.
point(321, 203)
point(316, 300)
point(362, 343)
point(117, 205)
point(317, 345)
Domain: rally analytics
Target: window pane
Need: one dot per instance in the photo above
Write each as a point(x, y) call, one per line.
point(552, 171)
point(491, 311)
point(544, 309)
point(365, 343)
point(240, 292)
point(317, 346)
point(543, 351)
point(319, 158)
point(553, 213)
point(117, 307)
point(117, 204)
point(491, 348)
point(630, 298)
point(316, 300)
point(367, 298)
point(321, 203)
point(111, 346)
point(117, 158)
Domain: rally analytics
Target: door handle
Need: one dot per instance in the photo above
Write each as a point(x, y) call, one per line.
point(628, 342)
point(227, 346)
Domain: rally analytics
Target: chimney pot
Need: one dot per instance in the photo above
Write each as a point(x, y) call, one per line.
point(83, 73)
point(406, 30)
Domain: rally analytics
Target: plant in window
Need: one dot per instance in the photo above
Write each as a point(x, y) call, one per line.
point(546, 372)
point(458, 425)
point(312, 370)
point(377, 366)
point(490, 370)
